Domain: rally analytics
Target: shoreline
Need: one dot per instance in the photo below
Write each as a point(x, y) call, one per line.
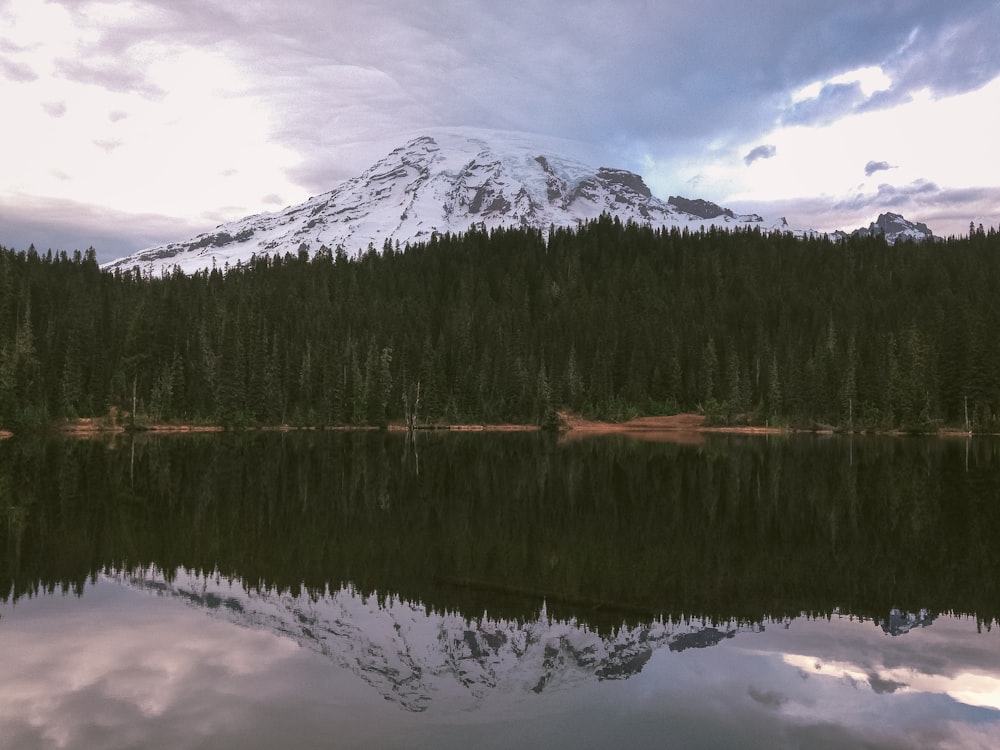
point(684, 429)
point(679, 428)
point(569, 424)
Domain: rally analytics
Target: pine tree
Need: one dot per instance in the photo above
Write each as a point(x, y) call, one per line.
point(708, 373)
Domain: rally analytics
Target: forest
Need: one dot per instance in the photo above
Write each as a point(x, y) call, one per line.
point(610, 320)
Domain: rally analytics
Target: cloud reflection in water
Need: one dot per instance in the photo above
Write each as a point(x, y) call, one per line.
point(119, 668)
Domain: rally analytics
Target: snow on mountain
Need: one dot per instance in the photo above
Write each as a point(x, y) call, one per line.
point(894, 227)
point(448, 182)
point(414, 657)
point(451, 182)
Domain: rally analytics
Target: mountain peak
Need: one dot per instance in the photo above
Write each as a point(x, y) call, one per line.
point(445, 182)
point(895, 227)
point(453, 181)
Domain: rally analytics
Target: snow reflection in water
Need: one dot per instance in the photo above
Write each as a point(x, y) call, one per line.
point(119, 668)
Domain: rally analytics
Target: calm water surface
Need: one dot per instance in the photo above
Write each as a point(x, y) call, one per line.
point(355, 590)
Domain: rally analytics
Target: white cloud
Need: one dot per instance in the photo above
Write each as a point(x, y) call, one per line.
point(101, 682)
point(167, 154)
point(871, 79)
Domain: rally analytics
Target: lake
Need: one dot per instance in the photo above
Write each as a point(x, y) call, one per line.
point(340, 589)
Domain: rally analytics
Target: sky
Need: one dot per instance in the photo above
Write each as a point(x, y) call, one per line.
point(131, 124)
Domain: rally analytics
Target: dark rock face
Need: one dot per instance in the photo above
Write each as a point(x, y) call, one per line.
point(621, 178)
point(698, 207)
point(890, 223)
point(700, 639)
point(555, 187)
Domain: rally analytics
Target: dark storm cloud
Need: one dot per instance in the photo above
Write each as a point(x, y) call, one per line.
point(834, 101)
point(662, 78)
point(948, 58)
point(948, 51)
point(765, 151)
point(876, 166)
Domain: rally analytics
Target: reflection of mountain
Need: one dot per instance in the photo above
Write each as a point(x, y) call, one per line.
point(900, 623)
point(414, 656)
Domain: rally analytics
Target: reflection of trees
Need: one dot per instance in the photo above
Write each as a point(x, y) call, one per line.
point(15, 519)
point(602, 530)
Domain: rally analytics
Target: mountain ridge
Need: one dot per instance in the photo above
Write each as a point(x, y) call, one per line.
point(451, 183)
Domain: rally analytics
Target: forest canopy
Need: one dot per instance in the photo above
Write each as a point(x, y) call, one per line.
point(612, 320)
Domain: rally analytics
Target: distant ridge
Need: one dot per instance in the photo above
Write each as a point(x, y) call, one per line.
point(452, 182)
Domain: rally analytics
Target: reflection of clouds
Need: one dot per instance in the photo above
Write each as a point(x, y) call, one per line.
point(973, 689)
point(852, 673)
point(848, 682)
point(949, 658)
point(881, 685)
point(119, 681)
point(767, 698)
point(948, 647)
point(119, 669)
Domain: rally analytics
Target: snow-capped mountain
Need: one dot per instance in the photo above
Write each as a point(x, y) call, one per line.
point(454, 181)
point(415, 657)
point(449, 182)
point(894, 227)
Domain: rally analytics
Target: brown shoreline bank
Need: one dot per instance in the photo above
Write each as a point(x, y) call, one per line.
point(677, 428)
point(689, 429)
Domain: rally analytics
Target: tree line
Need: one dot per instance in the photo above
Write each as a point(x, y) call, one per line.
point(610, 319)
